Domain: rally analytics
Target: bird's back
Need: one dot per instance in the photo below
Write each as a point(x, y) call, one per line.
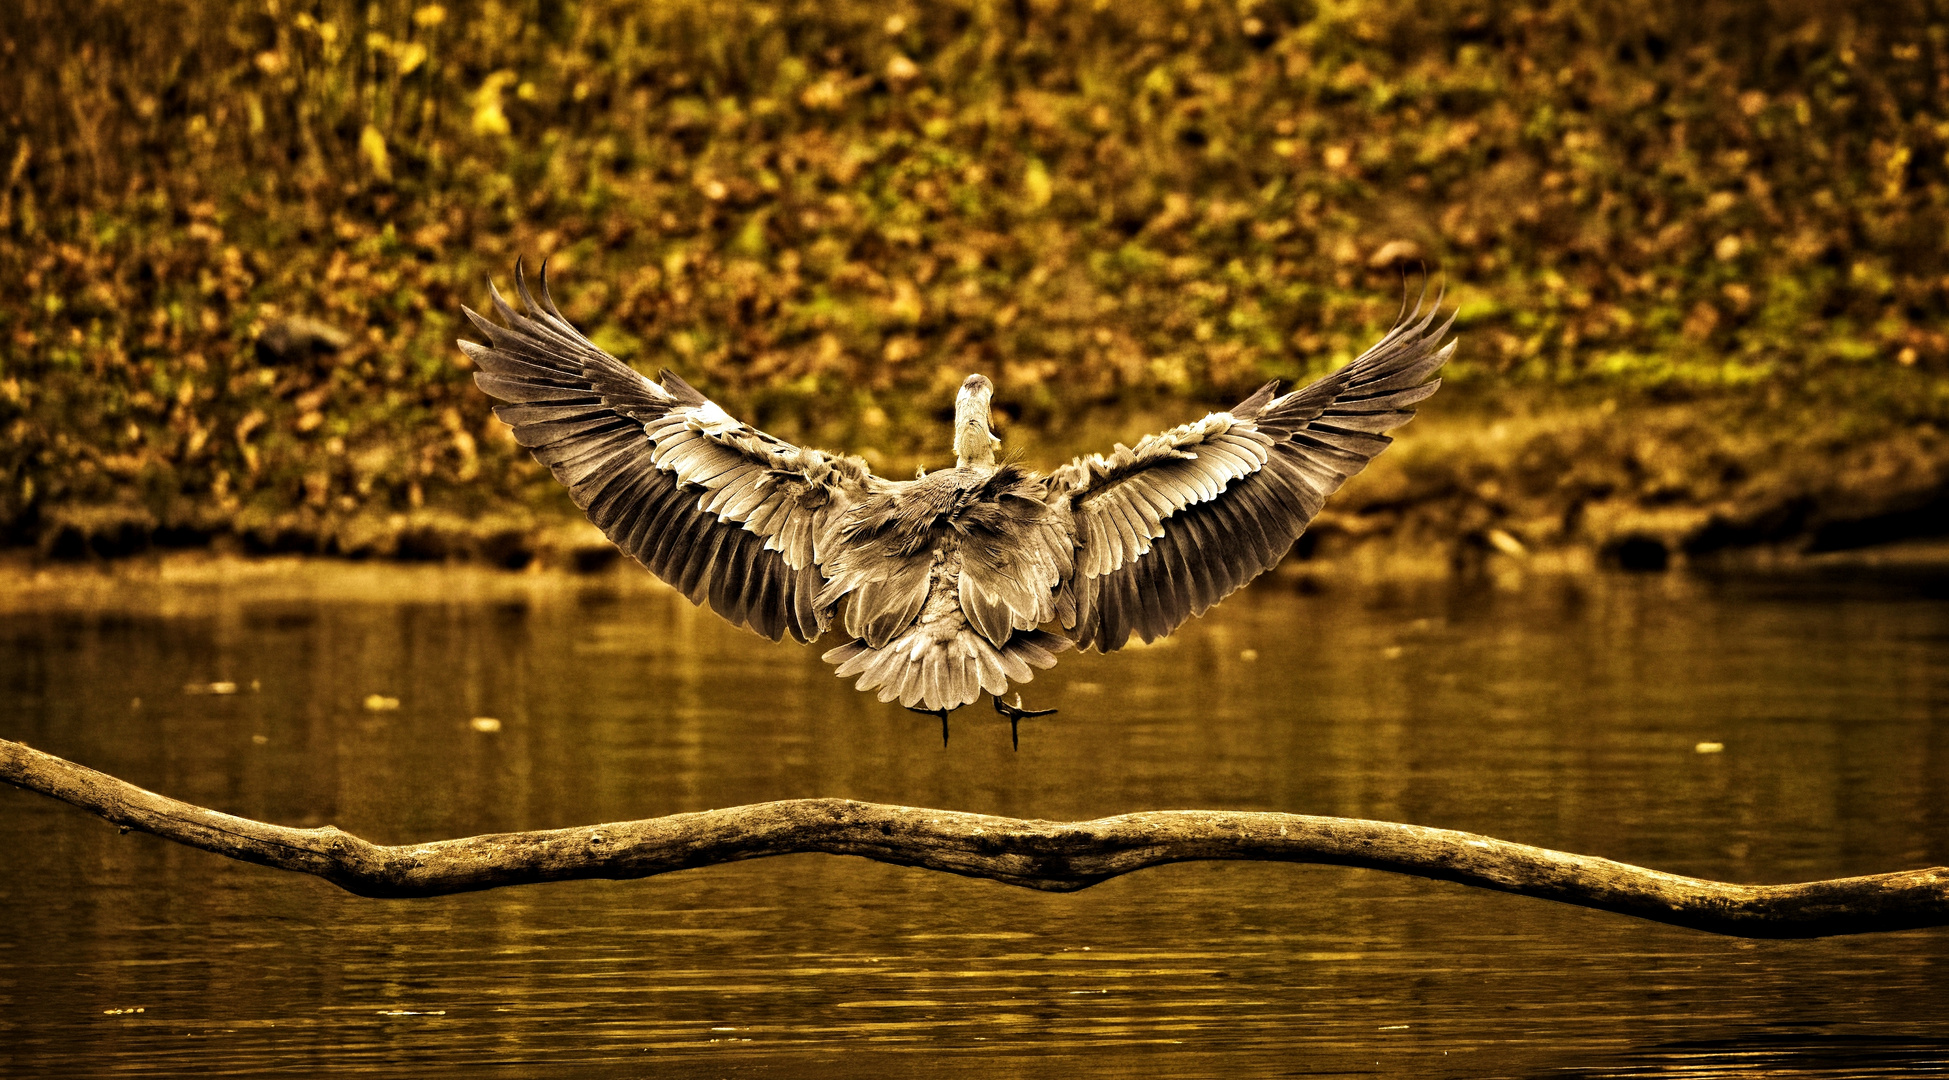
point(944, 582)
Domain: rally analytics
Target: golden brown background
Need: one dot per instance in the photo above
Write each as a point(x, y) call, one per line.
point(1698, 250)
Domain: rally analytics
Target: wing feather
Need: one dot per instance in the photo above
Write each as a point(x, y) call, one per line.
point(662, 504)
point(725, 513)
point(694, 557)
point(1170, 527)
point(766, 609)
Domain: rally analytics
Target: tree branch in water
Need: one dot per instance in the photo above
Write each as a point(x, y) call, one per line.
point(1052, 856)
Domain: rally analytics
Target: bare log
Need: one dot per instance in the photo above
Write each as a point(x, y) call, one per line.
point(1054, 856)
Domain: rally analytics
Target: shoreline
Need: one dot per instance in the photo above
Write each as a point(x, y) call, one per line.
point(1569, 478)
point(29, 582)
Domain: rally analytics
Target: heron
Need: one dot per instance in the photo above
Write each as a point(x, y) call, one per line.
point(964, 580)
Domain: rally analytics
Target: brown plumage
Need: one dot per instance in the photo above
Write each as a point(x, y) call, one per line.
point(966, 580)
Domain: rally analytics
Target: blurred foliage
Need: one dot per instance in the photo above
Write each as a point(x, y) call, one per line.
point(826, 214)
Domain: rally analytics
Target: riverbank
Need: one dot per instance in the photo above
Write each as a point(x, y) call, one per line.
point(1484, 473)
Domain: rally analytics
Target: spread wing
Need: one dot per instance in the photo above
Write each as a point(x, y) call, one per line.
point(1170, 527)
point(721, 510)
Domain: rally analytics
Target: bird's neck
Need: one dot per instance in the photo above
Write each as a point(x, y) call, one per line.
point(974, 441)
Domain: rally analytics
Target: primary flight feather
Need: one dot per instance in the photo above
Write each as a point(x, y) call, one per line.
point(965, 580)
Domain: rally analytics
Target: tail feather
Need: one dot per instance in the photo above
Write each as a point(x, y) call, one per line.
point(922, 670)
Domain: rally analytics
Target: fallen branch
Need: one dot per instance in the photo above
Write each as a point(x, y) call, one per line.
point(1049, 855)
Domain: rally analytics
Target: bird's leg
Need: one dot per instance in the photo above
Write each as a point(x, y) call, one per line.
point(1016, 714)
point(942, 713)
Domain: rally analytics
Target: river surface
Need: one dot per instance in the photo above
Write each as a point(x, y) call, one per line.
point(1567, 712)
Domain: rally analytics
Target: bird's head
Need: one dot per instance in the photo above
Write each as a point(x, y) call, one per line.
point(974, 440)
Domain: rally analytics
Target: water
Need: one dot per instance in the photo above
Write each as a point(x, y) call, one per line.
point(1563, 712)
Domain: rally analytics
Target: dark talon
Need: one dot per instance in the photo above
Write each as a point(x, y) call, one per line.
point(1016, 714)
point(942, 713)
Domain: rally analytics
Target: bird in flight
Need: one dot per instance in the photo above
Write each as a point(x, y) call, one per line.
point(964, 580)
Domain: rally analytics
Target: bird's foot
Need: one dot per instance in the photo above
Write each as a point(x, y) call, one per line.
point(1016, 714)
point(942, 713)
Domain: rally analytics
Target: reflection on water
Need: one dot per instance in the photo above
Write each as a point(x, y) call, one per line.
point(1563, 712)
